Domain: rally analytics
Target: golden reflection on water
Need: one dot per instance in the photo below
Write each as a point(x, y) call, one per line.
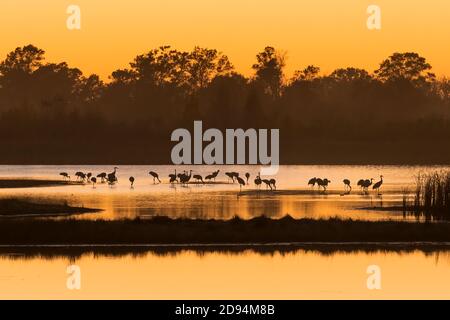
point(188, 275)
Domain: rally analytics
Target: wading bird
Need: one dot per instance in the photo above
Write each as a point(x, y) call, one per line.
point(198, 178)
point(209, 177)
point(241, 182)
point(214, 174)
point(360, 183)
point(230, 175)
point(273, 183)
point(184, 178)
point(247, 176)
point(377, 185)
point(347, 185)
point(102, 176)
point(94, 181)
point(268, 184)
point(312, 182)
point(132, 182)
point(65, 175)
point(367, 184)
point(258, 181)
point(173, 177)
point(155, 176)
point(111, 177)
point(323, 183)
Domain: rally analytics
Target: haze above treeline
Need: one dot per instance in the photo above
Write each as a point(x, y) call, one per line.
point(52, 113)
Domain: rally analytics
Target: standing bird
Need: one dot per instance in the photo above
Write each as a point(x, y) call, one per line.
point(155, 176)
point(214, 174)
point(65, 175)
point(273, 183)
point(367, 184)
point(230, 175)
point(312, 182)
point(132, 182)
point(111, 177)
point(377, 185)
point(348, 187)
point(173, 177)
point(209, 177)
point(102, 176)
point(360, 183)
point(247, 176)
point(258, 181)
point(268, 184)
point(89, 175)
point(323, 183)
point(198, 178)
point(94, 181)
point(184, 178)
point(241, 182)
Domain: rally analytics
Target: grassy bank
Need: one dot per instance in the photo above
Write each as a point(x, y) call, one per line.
point(184, 231)
point(32, 183)
point(19, 208)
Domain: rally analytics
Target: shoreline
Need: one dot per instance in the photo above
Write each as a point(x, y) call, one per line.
point(260, 230)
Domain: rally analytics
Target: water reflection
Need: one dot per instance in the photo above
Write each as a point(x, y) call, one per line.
point(188, 274)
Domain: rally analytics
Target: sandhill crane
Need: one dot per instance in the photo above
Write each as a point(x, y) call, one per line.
point(132, 182)
point(273, 183)
point(89, 175)
point(173, 177)
point(312, 182)
point(230, 175)
point(184, 178)
point(198, 178)
point(367, 184)
point(347, 185)
point(247, 176)
point(209, 177)
point(377, 185)
point(360, 183)
point(214, 174)
point(323, 183)
point(241, 182)
point(94, 181)
point(268, 184)
point(80, 175)
point(111, 177)
point(102, 176)
point(155, 176)
point(258, 181)
point(65, 175)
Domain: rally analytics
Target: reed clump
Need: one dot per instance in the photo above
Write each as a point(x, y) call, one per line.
point(432, 195)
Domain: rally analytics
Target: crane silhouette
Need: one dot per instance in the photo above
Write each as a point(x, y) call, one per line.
point(347, 185)
point(214, 174)
point(184, 178)
point(173, 177)
point(323, 183)
point(198, 178)
point(230, 175)
point(247, 176)
point(102, 176)
point(258, 181)
point(241, 182)
point(155, 176)
point(360, 183)
point(268, 184)
point(312, 182)
point(94, 181)
point(377, 185)
point(112, 176)
point(367, 184)
point(273, 183)
point(65, 175)
point(132, 182)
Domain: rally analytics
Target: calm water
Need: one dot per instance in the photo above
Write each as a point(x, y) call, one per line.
point(222, 200)
point(190, 275)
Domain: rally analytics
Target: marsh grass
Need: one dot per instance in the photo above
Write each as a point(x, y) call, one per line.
point(431, 196)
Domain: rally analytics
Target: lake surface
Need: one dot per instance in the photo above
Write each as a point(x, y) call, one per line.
point(216, 275)
point(222, 200)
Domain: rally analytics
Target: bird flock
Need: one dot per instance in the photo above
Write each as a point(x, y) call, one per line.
point(186, 177)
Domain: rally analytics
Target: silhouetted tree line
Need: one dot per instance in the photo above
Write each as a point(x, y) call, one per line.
point(52, 113)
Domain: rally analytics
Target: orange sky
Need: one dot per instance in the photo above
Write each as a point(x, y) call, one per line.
point(327, 33)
